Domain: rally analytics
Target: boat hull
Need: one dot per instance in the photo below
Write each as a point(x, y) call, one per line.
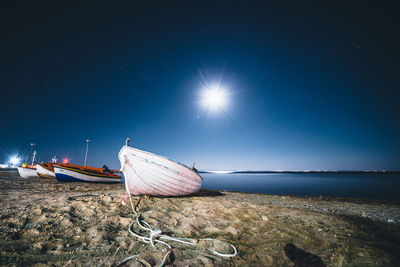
point(149, 174)
point(27, 172)
point(68, 174)
point(42, 171)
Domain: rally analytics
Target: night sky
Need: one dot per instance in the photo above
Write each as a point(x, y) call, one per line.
point(311, 85)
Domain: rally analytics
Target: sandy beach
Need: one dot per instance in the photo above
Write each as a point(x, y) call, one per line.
point(47, 223)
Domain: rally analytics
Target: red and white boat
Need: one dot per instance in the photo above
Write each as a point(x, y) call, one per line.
point(149, 174)
point(45, 170)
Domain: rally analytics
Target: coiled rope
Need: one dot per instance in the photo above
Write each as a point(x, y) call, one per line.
point(154, 236)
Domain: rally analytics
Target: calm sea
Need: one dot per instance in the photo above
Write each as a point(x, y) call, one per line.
point(384, 186)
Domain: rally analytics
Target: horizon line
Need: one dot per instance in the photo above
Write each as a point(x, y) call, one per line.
point(296, 171)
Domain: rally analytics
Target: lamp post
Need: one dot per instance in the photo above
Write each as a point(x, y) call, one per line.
point(87, 147)
point(33, 157)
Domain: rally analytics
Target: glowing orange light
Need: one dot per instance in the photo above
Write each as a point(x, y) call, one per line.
point(65, 160)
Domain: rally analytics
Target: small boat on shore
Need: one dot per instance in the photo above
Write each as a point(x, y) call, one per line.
point(77, 173)
point(27, 171)
point(45, 170)
point(149, 174)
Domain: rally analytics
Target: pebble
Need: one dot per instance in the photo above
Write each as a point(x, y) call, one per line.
point(390, 221)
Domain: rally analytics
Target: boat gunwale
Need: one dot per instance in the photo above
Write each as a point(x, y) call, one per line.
point(158, 156)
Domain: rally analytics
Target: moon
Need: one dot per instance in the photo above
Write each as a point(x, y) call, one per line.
point(214, 98)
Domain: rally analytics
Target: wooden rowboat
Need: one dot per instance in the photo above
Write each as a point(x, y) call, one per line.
point(78, 173)
point(149, 174)
point(45, 170)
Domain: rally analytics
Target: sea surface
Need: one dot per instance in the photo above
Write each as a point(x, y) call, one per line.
point(381, 186)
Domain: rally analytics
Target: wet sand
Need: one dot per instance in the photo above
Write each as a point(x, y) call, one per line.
point(46, 223)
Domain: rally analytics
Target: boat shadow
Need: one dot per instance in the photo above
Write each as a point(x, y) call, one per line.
point(208, 193)
point(201, 193)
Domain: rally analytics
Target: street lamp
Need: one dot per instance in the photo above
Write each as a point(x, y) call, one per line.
point(87, 147)
point(14, 160)
point(33, 156)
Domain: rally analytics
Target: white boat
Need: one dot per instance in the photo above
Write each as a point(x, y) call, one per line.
point(149, 174)
point(78, 173)
point(27, 172)
point(45, 170)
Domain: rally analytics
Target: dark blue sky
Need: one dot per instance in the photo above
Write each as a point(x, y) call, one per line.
point(312, 85)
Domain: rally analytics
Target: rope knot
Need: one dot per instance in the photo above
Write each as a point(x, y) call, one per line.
point(154, 234)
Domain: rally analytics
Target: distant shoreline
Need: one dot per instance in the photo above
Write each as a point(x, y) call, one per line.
point(319, 172)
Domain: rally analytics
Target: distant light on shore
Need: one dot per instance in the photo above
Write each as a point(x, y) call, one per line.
point(14, 160)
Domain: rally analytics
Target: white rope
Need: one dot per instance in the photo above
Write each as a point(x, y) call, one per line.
point(155, 235)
